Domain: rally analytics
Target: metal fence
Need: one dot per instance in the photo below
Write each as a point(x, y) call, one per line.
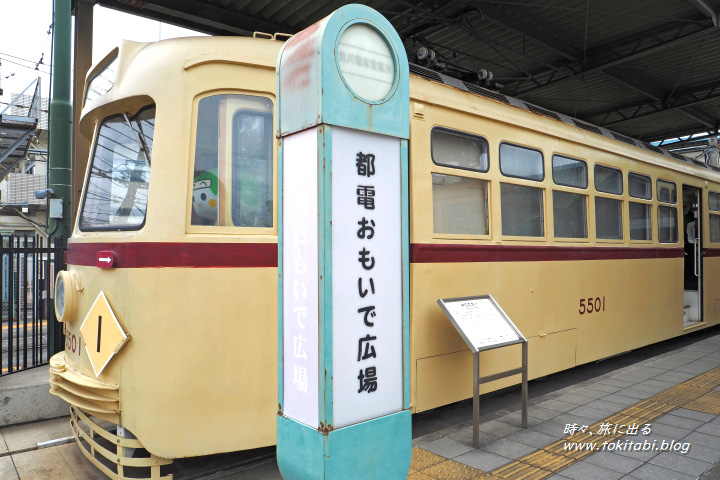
point(28, 265)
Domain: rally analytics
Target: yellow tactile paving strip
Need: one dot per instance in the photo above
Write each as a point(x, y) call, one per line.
point(708, 403)
point(696, 394)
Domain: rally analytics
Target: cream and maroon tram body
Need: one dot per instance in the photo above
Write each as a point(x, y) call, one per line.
point(593, 245)
point(581, 236)
point(177, 229)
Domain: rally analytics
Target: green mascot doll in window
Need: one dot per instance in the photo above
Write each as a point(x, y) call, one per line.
point(205, 196)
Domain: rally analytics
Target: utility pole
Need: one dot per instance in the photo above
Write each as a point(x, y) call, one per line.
point(60, 148)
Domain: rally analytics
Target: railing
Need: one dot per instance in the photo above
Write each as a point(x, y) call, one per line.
point(28, 265)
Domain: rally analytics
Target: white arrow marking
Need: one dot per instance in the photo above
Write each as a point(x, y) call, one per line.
point(105, 259)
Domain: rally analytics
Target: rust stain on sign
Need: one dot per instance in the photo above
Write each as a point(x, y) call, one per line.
point(301, 50)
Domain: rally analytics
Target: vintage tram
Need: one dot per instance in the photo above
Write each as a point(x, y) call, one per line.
point(592, 242)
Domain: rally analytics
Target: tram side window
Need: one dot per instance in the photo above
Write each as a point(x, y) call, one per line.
point(459, 150)
point(667, 216)
point(522, 210)
point(569, 172)
point(117, 189)
point(714, 207)
point(521, 162)
point(459, 205)
point(667, 192)
point(668, 224)
point(233, 169)
point(608, 180)
point(640, 186)
point(570, 214)
point(608, 211)
point(569, 209)
point(608, 218)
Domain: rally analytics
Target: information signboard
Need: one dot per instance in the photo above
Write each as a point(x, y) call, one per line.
point(481, 322)
point(484, 325)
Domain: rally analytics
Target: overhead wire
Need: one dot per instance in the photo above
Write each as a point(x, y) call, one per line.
point(36, 64)
point(25, 66)
point(16, 57)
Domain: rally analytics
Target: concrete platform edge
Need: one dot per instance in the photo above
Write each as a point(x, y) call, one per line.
point(25, 397)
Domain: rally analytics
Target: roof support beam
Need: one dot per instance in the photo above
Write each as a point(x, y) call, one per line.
point(708, 9)
point(676, 134)
point(457, 15)
point(646, 88)
point(682, 101)
point(420, 21)
point(601, 58)
point(694, 140)
point(82, 62)
point(698, 116)
point(532, 32)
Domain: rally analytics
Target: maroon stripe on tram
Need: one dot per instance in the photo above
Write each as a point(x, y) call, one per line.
point(447, 253)
point(711, 252)
point(160, 254)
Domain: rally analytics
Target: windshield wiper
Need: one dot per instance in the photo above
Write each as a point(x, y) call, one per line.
point(139, 138)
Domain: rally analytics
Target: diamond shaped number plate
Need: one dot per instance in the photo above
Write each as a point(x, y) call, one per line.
point(102, 333)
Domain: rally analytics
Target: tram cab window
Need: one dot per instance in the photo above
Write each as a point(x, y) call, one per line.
point(640, 186)
point(667, 215)
point(459, 150)
point(714, 207)
point(103, 81)
point(116, 194)
point(233, 169)
point(459, 205)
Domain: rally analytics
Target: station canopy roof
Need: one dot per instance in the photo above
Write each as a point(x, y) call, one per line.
point(648, 69)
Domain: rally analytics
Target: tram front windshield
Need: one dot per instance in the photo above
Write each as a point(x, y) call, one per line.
point(117, 188)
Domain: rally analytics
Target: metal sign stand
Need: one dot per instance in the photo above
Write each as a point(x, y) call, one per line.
point(485, 326)
point(477, 380)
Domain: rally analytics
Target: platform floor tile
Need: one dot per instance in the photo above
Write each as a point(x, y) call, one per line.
point(44, 464)
point(7, 469)
point(679, 411)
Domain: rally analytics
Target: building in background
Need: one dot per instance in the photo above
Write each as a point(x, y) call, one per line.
point(23, 162)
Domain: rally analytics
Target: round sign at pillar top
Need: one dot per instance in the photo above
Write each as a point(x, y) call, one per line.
point(366, 62)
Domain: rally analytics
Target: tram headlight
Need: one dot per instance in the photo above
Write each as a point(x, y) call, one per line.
point(66, 296)
point(366, 62)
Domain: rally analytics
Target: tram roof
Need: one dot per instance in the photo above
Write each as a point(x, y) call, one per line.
point(645, 69)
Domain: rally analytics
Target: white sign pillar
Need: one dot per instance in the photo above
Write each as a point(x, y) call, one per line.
point(343, 103)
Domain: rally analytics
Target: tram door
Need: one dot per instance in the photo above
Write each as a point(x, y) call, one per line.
point(692, 230)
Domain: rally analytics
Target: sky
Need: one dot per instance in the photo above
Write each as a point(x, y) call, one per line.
point(24, 40)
